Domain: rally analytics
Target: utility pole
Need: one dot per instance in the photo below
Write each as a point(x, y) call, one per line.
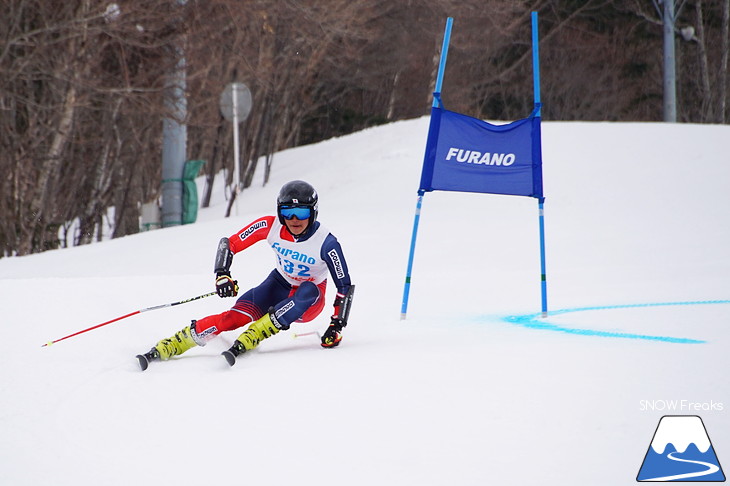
point(174, 148)
point(666, 11)
point(174, 140)
point(670, 70)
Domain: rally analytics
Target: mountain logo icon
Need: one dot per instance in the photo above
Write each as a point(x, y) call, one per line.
point(681, 451)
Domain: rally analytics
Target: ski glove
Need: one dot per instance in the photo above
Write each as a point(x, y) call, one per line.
point(333, 335)
point(226, 286)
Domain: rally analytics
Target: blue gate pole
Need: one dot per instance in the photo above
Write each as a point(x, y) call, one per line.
point(543, 274)
point(416, 219)
point(407, 286)
point(442, 61)
point(541, 200)
point(535, 63)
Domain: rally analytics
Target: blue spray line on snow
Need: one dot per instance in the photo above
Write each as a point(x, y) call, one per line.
point(535, 321)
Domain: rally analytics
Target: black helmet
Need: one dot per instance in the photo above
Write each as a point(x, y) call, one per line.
point(298, 194)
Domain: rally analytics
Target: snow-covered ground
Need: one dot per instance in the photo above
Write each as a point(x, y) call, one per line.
point(473, 388)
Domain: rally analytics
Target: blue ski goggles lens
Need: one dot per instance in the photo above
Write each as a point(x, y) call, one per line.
point(299, 212)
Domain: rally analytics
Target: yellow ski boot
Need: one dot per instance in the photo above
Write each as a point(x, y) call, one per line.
point(176, 345)
point(265, 327)
point(173, 346)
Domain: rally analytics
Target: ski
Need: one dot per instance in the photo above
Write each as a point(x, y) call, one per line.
point(144, 359)
point(234, 352)
point(230, 357)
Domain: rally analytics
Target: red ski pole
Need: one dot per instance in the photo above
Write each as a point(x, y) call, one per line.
point(130, 315)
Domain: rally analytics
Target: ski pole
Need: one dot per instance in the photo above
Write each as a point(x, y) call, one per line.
point(302, 334)
point(155, 307)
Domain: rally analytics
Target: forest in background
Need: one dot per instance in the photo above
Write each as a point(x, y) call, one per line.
point(83, 85)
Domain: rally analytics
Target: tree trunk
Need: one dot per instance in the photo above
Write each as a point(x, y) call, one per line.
point(707, 105)
point(37, 209)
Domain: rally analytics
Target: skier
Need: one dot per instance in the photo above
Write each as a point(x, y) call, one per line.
point(293, 292)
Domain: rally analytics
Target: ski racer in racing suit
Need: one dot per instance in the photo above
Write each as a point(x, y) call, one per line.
point(306, 253)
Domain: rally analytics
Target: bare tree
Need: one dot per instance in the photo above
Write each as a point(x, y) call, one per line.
point(72, 76)
point(81, 85)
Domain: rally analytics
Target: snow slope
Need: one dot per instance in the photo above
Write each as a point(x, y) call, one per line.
point(473, 388)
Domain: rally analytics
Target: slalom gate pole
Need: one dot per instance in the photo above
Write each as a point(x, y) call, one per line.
point(436, 104)
point(414, 236)
point(541, 201)
point(155, 307)
point(543, 271)
point(442, 60)
point(536, 63)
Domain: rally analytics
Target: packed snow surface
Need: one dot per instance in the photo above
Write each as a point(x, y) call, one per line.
point(473, 388)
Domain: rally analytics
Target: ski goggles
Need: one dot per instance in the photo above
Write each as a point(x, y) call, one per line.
point(299, 212)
